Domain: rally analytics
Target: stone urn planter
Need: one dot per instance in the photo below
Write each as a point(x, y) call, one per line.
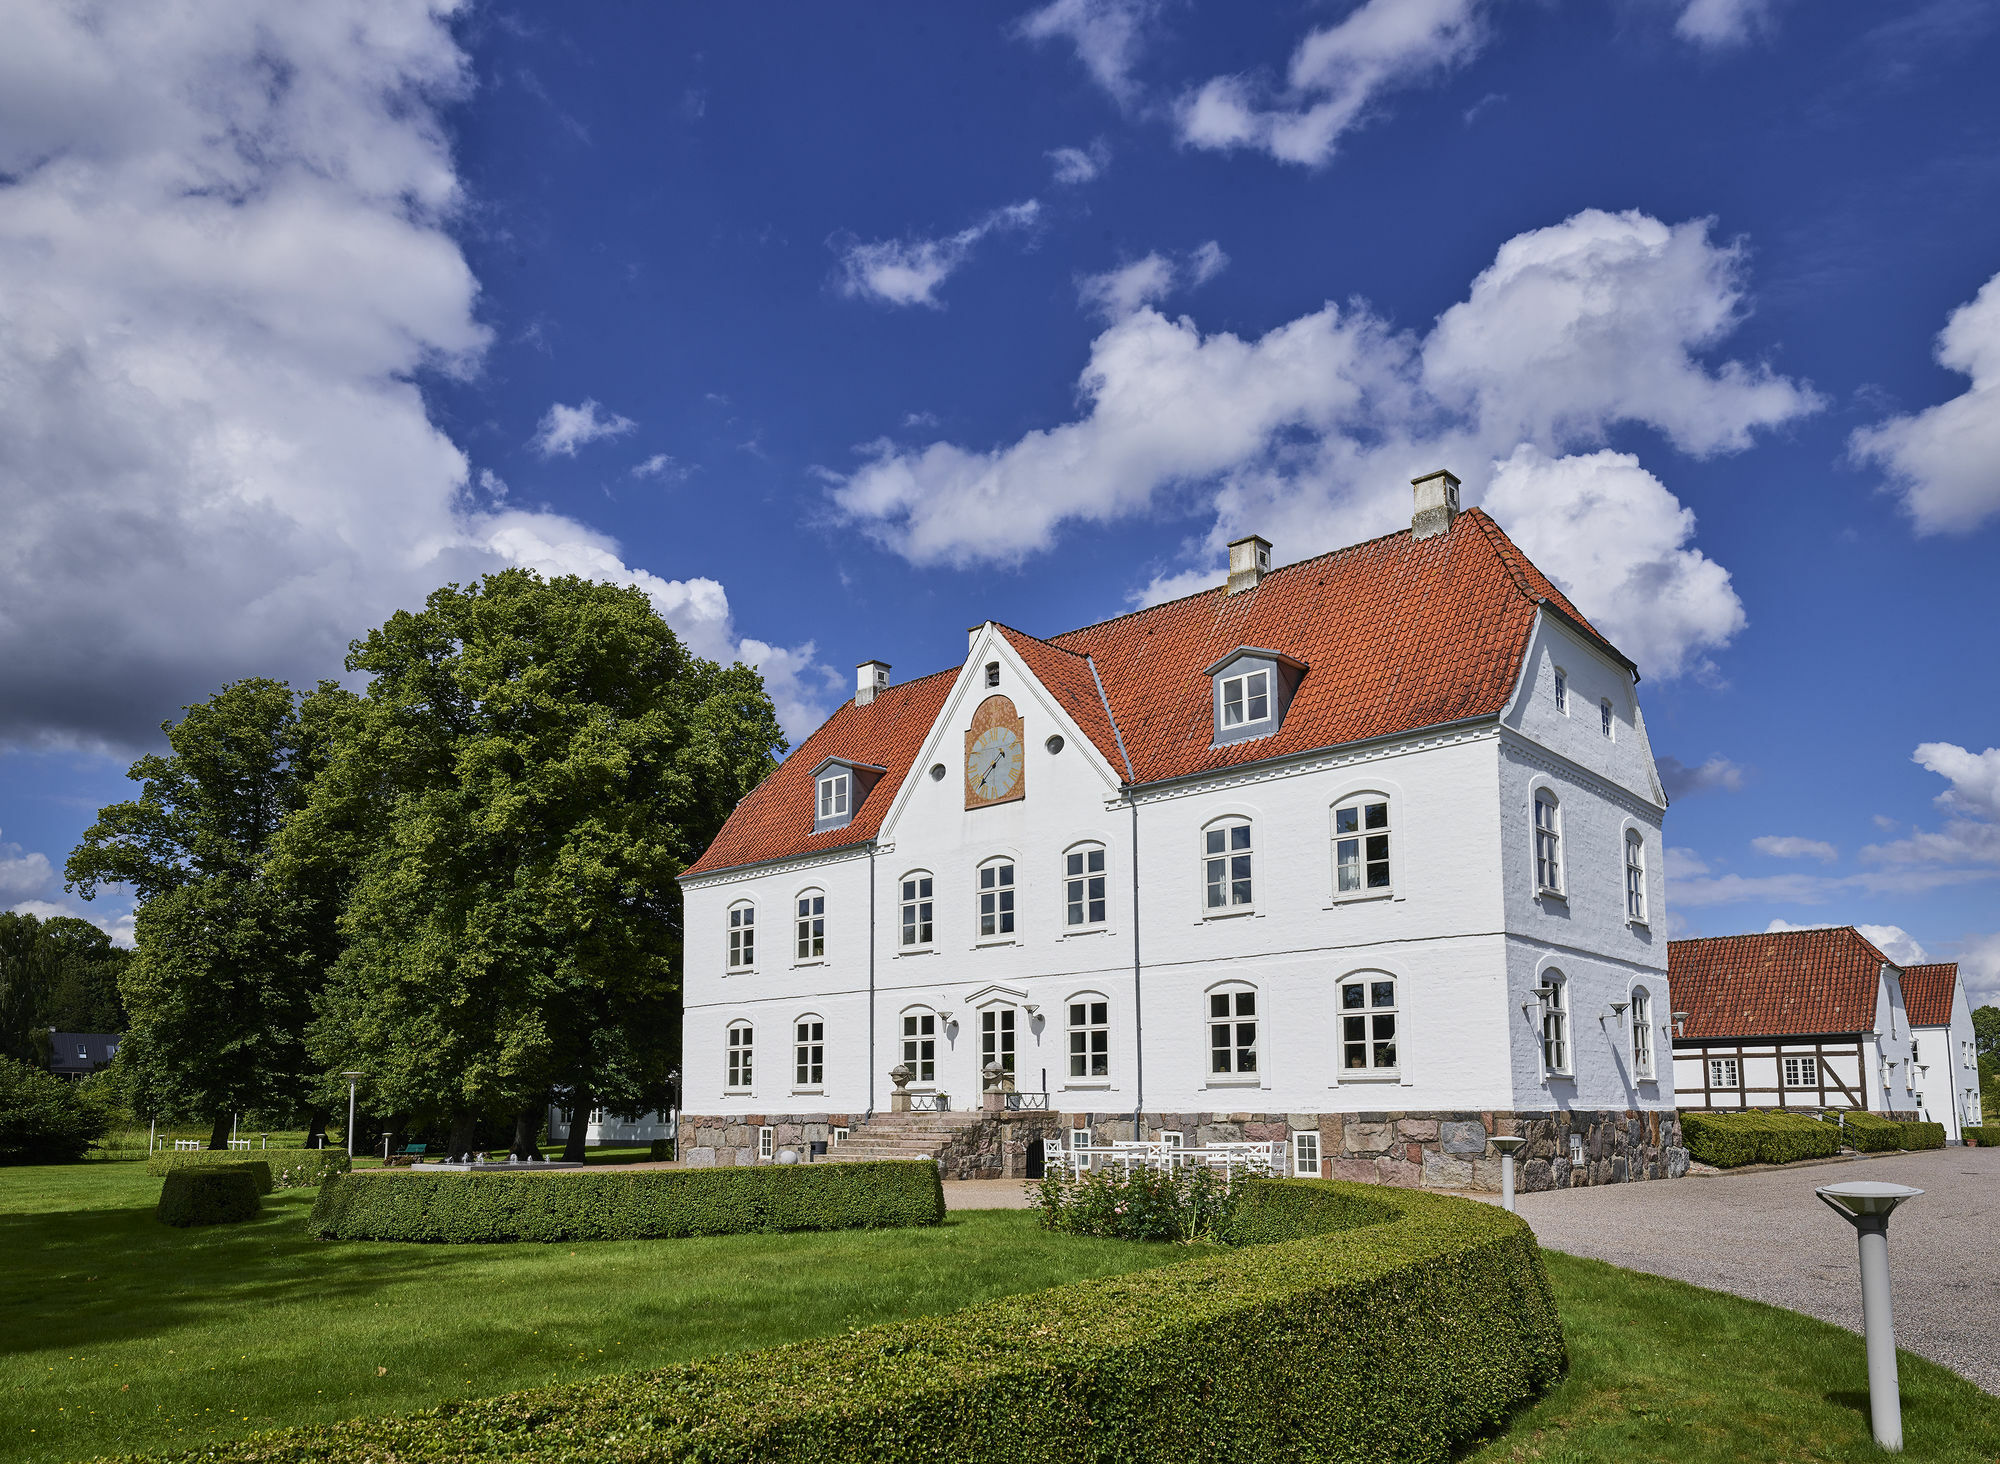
point(900, 1075)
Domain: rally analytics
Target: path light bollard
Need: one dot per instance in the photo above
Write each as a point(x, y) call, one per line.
point(1866, 1205)
point(1506, 1144)
point(352, 1079)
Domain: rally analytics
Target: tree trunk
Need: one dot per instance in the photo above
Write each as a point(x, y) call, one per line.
point(464, 1134)
point(316, 1129)
point(581, 1102)
point(527, 1129)
point(218, 1137)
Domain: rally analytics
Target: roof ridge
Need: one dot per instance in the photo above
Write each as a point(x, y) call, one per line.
point(1041, 640)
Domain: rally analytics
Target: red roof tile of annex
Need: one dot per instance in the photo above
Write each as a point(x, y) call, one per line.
point(1396, 634)
point(1782, 983)
point(1927, 993)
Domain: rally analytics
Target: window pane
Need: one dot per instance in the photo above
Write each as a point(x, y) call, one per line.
point(1246, 1003)
point(1239, 836)
point(1100, 1012)
point(1214, 839)
point(1218, 1004)
point(1382, 993)
point(1217, 883)
point(1353, 996)
point(1347, 862)
point(1096, 857)
point(1378, 815)
point(1232, 702)
point(1260, 697)
point(1239, 879)
point(1346, 820)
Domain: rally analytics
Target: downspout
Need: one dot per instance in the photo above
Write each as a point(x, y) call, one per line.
point(1127, 789)
point(871, 982)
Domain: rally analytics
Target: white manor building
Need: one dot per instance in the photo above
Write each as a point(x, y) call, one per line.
point(1362, 853)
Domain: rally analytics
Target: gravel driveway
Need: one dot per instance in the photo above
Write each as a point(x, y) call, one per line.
point(1768, 1237)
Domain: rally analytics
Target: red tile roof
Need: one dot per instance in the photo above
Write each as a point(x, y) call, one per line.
point(1397, 634)
point(1927, 993)
point(1781, 984)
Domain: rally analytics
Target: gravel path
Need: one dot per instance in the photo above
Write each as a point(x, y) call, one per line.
point(986, 1194)
point(1768, 1237)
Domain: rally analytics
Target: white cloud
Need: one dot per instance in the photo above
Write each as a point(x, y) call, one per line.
point(1334, 75)
point(1896, 943)
point(224, 261)
point(1719, 24)
point(1776, 926)
point(24, 874)
point(1945, 460)
point(1971, 835)
point(1310, 433)
point(1974, 777)
point(564, 429)
point(1073, 165)
point(1684, 864)
point(909, 271)
point(1117, 293)
point(1108, 35)
point(1790, 846)
point(1979, 968)
point(1714, 774)
point(659, 465)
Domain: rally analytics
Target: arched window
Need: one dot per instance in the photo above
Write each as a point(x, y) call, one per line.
point(1554, 993)
point(996, 898)
point(1232, 1032)
point(920, 1045)
point(809, 1052)
point(1089, 1036)
point(1642, 1033)
point(1226, 858)
point(1083, 887)
point(1548, 844)
point(811, 925)
point(1361, 845)
point(742, 936)
point(918, 908)
point(739, 1072)
point(1635, 877)
point(1368, 1023)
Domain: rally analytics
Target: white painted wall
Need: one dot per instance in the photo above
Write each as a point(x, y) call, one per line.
point(1947, 1083)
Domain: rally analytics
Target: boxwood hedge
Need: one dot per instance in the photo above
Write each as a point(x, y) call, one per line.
point(290, 1168)
point(1983, 1136)
point(1422, 1327)
point(1923, 1135)
point(1870, 1132)
point(1729, 1139)
point(648, 1204)
point(215, 1194)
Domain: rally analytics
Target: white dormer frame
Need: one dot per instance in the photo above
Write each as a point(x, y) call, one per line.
point(839, 785)
point(1235, 682)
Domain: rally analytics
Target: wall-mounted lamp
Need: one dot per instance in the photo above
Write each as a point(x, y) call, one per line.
point(945, 1017)
point(1030, 1007)
point(1619, 1007)
point(1680, 1024)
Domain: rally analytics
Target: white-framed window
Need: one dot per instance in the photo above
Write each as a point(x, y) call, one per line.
point(1562, 691)
point(1548, 844)
point(1368, 1024)
point(811, 925)
point(1246, 699)
point(919, 908)
point(1171, 1138)
point(1083, 887)
point(1226, 858)
point(1604, 717)
point(1801, 1072)
point(920, 1046)
point(1555, 1024)
point(742, 936)
point(992, 673)
point(1232, 1032)
point(833, 793)
point(996, 1039)
point(1361, 845)
point(1305, 1154)
point(837, 1137)
point(1722, 1072)
point(738, 1074)
point(809, 1053)
point(1089, 1036)
point(1079, 1138)
point(1642, 1033)
point(1915, 1058)
point(996, 898)
point(1635, 877)
point(767, 1138)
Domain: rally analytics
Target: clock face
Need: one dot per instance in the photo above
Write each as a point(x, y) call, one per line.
point(993, 765)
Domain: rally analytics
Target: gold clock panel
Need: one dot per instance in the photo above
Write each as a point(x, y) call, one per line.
point(995, 755)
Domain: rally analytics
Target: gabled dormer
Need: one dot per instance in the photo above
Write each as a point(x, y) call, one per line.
point(839, 785)
point(1252, 691)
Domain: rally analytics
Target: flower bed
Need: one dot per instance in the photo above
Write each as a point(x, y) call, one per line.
point(290, 1168)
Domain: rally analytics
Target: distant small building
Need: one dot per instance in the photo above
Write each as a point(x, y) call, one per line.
point(79, 1054)
point(1809, 1019)
point(1942, 1048)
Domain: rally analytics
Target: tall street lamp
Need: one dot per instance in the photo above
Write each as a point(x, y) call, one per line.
point(1866, 1204)
point(352, 1079)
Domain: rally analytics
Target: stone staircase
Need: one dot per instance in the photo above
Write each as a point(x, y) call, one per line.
point(902, 1136)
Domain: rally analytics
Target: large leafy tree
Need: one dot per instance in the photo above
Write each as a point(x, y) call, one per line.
point(220, 992)
point(60, 973)
point(532, 765)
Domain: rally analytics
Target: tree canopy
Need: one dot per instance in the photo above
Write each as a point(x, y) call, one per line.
point(59, 973)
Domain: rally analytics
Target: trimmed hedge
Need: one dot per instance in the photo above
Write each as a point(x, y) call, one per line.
point(1983, 1136)
point(215, 1194)
point(1918, 1135)
point(1870, 1132)
point(1422, 1328)
point(1727, 1140)
point(659, 1150)
point(290, 1168)
point(653, 1204)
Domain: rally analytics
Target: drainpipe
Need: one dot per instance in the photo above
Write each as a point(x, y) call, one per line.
point(871, 983)
point(1138, 1024)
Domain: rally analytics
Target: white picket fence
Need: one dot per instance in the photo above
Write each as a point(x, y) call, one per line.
point(1168, 1154)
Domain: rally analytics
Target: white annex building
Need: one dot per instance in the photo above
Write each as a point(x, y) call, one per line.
point(1362, 854)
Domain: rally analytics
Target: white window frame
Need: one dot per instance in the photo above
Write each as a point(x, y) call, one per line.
point(739, 1068)
point(911, 1036)
point(1000, 1032)
point(1548, 843)
point(1558, 1052)
point(836, 1136)
point(1607, 719)
point(1801, 1070)
point(1643, 1060)
point(1366, 1013)
point(767, 1141)
point(1562, 691)
point(1079, 1138)
point(1235, 1018)
point(1724, 1064)
point(1244, 691)
point(809, 1053)
point(1000, 912)
point(1635, 877)
point(809, 926)
point(1084, 887)
point(916, 911)
point(1094, 1030)
point(742, 936)
point(1360, 841)
point(836, 796)
point(1222, 856)
point(1305, 1153)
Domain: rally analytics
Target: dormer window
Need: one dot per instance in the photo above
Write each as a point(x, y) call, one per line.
point(839, 788)
point(833, 798)
point(1246, 699)
point(1253, 688)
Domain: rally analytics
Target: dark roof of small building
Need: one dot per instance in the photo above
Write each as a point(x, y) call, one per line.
point(1782, 983)
point(81, 1052)
point(1927, 993)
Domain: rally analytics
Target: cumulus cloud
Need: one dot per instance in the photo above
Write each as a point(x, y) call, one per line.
point(1074, 165)
point(24, 875)
point(1979, 968)
point(224, 262)
point(1117, 293)
point(1971, 834)
point(659, 465)
point(1790, 846)
point(1108, 36)
point(1310, 433)
point(565, 429)
point(1891, 940)
point(1716, 774)
point(1334, 76)
point(1945, 460)
point(1974, 776)
point(909, 271)
point(1720, 24)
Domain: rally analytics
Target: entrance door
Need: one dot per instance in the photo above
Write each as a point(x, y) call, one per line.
point(996, 1039)
point(920, 1047)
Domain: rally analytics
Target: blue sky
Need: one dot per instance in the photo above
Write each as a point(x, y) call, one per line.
point(842, 328)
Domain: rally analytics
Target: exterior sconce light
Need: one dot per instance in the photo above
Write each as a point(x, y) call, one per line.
point(1866, 1205)
point(945, 1017)
point(1618, 1007)
point(1506, 1144)
point(1680, 1024)
point(1030, 1007)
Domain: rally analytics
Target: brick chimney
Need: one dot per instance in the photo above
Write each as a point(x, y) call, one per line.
point(869, 678)
point(1249, 562)
point(1437, 504)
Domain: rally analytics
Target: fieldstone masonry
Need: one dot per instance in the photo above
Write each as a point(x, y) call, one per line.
point(723, 1142)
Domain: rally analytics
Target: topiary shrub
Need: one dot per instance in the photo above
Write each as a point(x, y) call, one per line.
point(660, 1150)
point(44, 1120)
point(1870, 1132)
point(1721, 1139)
point(213, 1195)
point(1421, 1327)
point(1728, 1140)
point(1985, 1136)
point(652, 1204)
point(290, 1168)
point(1917, 1135)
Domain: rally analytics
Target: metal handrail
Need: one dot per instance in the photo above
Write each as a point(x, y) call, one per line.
point(930, 1103)
point(1268, 1158)
point(1020, 1101)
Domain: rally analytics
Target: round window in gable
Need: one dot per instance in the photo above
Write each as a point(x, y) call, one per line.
point(1055, 743)
point(937, 772)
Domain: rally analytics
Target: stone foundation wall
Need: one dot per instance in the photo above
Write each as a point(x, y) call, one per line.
point(718, 1142)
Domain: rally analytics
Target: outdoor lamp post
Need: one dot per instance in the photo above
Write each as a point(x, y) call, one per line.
point(352, 1079)
point(1506, 1144)
point(1866, 1204)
